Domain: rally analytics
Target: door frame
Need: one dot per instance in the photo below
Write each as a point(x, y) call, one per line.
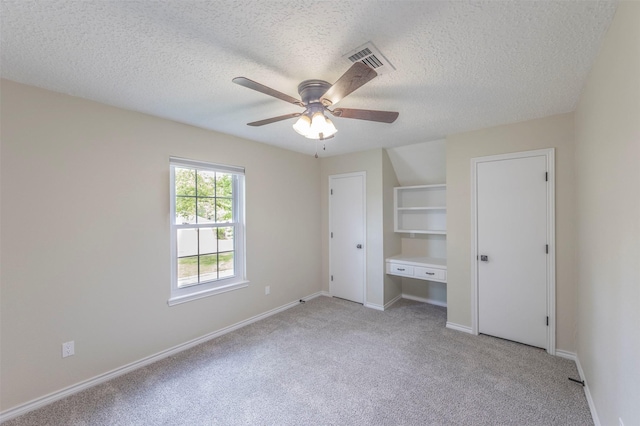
point(549, 154)
point(362, 174)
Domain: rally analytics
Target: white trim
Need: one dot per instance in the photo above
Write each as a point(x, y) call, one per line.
point(314, 295)
point(101, 378)
point(206, 293)
point(587, 393)
point(373, 306)
point(458, 327)
point(205, 165)
point(566, 354)
point(549, 154)
point(362, 174)
point(424, 300)
point(392, 301)
point(220, 285)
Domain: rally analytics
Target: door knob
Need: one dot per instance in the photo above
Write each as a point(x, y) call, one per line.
point(359, 246)
point(484, 258)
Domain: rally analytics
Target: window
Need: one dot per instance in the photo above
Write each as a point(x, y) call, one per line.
point(207, 229)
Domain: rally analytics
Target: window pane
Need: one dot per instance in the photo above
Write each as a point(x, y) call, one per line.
point(226, 264)
point(206, 184)
point(185, 181)
point(208, 267)
point(224, 187)
point(225, 238)
point(206, 210)
point(187, 270)
point(208, 240)
point(224, 210)
point(187, 242)
point(185, 209)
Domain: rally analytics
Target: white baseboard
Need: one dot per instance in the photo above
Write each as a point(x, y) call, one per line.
point(424, 300)
point(314, 295)
point(458, 327)
point(373, 306)
point(587, 393)
point(392, 301)
point(566, 354)
point(101, 378)
point(365, 304)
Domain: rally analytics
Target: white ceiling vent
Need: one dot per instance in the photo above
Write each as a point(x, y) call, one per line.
point(369, 55)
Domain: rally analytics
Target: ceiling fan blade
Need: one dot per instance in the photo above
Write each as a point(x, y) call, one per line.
point(355, 77)
point(366, 114)
point(274, 119)
point(242, 81)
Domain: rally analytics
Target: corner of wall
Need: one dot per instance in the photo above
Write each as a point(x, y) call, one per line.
point(392, 244)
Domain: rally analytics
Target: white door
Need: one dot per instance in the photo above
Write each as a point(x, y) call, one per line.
point(346, 236)
point(512, 235)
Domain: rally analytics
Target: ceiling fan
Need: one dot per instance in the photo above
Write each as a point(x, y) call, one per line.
point(317, 96)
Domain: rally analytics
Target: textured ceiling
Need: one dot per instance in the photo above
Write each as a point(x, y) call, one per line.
point(459, 65)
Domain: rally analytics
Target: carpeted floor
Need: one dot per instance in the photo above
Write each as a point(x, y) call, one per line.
point(333, 362)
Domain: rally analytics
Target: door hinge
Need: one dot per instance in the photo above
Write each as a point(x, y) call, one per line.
point(331, 277)
point(546, 249)
point(547, 321)
point(546, 176)
point(332, 235)
point(331, 191)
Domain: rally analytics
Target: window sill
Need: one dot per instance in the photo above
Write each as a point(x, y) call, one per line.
point(206, 293)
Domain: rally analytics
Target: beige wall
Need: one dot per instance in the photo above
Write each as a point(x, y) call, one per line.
point(607, 126)
point(551, 132)
point(421, 163)
point(391, 239)
point(85, 237)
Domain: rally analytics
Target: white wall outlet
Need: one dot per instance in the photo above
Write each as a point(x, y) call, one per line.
point(68, 349)
point(267, 289)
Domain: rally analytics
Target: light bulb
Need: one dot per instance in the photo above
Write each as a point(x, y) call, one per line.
point(329, 129)
point(318, 124)
point(303, 125)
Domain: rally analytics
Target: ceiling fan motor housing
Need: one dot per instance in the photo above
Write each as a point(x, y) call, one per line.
point(311, 92)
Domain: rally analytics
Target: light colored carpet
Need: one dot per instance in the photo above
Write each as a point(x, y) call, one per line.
point(333, 362)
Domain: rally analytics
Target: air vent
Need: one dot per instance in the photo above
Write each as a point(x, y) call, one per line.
point(369, 55)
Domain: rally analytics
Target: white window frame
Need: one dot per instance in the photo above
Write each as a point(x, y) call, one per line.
point(220, 285)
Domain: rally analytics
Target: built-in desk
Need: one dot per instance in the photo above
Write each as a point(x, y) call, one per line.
point(421, 268)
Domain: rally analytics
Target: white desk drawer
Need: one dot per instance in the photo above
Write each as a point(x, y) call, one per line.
point(428, 273)
point(397, 269)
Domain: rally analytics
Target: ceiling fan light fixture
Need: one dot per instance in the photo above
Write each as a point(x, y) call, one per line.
point(316, 96)
point(316, 127)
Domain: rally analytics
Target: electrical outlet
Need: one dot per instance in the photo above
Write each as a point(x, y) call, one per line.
point(267, 289)
point(68, 349)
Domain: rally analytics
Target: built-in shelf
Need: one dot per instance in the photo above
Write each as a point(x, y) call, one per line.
point(420, 209)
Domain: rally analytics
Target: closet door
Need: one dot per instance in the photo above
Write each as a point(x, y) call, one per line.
point(512, 246)
point(346, 238)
